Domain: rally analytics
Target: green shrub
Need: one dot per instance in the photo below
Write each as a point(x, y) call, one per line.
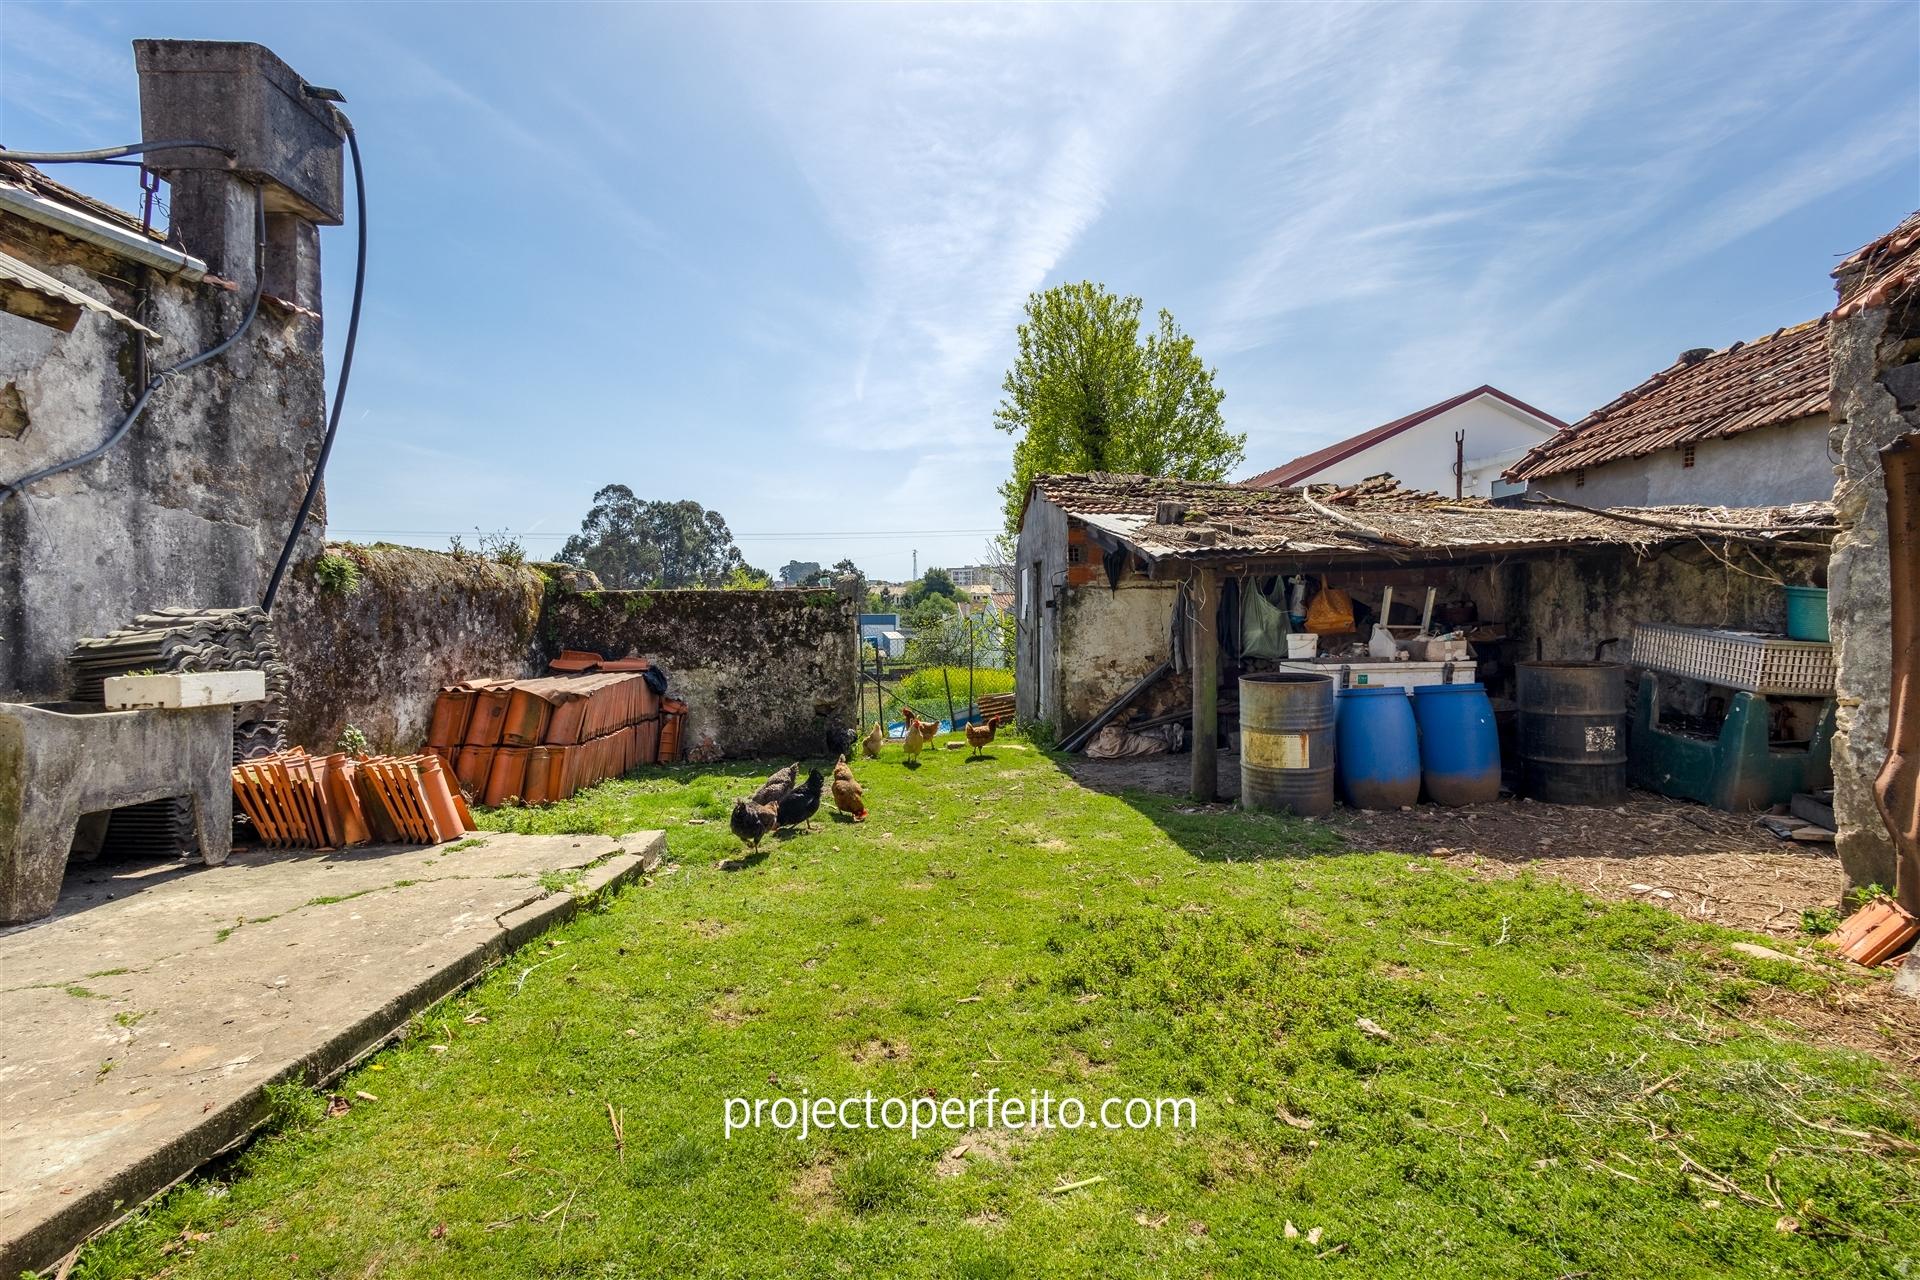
point(337, 575)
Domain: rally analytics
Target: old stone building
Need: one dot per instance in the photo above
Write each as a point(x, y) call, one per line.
point(193, 504)
point(1742, 427)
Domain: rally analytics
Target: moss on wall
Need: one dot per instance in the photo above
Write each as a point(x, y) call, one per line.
point(764, 672)
point(371, 648)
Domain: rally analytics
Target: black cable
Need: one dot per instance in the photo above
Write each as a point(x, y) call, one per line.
point(104, 154)
point(346, 369)
point(159, 379)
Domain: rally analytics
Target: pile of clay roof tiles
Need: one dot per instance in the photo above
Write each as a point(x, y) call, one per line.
point(540, 740)
point(294, 800)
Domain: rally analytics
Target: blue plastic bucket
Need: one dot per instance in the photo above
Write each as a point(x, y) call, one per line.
point(1376, 747)
point(1459, 743)
point(1807, 613)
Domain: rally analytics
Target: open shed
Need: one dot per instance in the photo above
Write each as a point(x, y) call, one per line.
point(1132, 589)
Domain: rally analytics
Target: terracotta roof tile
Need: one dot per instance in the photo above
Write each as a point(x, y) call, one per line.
point(1871, 275)
point(1777, 379)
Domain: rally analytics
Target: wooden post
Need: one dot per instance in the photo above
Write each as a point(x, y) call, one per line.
point(1203, 651)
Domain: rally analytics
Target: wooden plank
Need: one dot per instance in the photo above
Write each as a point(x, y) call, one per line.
point(1203, 649)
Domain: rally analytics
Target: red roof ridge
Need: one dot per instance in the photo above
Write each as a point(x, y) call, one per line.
point(1309, 464)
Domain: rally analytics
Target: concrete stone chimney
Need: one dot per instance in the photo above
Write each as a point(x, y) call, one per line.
point(285, 140)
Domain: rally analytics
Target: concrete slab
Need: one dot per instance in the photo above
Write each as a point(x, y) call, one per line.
point(141, 1023)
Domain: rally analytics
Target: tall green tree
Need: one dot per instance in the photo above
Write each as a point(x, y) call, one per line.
point(1088, 393)
point(934, 582)
point(633, 542)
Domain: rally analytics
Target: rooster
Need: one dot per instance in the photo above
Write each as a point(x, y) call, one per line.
point(753, 822)
point(776, 787)
point(979, 735)
point(872, 743)
point(800, 806)
point(847, 792)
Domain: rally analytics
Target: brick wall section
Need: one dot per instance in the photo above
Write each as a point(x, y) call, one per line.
point(1083, 557)
point(766, 673)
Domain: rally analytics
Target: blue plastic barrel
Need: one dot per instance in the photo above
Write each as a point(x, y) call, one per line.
point(1459, 745)
point(1377, 747)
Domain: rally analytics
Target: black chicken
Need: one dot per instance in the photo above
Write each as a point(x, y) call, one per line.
point(800, 806)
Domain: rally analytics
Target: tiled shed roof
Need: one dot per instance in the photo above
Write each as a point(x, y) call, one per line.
point(21, 174)
point(1874, 273)
point(1377, 518)
point(1306, 466)
point(1703, 396)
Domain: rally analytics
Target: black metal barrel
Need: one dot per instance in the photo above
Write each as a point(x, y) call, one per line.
point(1286, 742)
point(1573, 732)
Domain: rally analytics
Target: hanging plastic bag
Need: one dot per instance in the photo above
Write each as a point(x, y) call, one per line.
point(1330, 612)
point(1263, 626)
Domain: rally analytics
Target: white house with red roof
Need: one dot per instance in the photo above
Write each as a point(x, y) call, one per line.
point(1478, 433)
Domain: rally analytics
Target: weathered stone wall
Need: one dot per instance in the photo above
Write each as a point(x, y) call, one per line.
point(765, 673)
point(192, 507)
point(1569, 603)
point(1876, 400)
point(373, 655)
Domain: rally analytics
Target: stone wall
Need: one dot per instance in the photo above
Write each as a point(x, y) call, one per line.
point(765, 673)
point(1876, 400)
point(192, 507)
point(373, 651)
point(1567, 604)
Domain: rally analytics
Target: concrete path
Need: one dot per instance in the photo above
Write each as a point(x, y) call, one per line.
point(140, 1025)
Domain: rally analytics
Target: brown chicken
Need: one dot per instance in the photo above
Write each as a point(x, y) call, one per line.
point(872, 743)
point(847, 793)
point(979, 735)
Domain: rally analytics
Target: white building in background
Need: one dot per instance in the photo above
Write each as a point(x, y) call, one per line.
point(981, 575)
point(1485, 428)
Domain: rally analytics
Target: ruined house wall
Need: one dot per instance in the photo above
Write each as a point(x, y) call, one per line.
point(373, 653)
point(192, 507)
point(1876, 400)
point(1569, 603)
point(765, 673)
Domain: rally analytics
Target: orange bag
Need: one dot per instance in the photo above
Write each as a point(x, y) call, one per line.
point(1330, 612)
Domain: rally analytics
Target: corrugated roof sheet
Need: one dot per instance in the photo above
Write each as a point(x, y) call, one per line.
point(1772, 380)
point(22, 174)
point(1871, 275)
point(62, 297)
point(1377, 518)
point(1307, 465)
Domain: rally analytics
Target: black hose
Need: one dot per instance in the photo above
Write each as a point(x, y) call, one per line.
point(102, 154)
point(159, 379)
point(346, 370)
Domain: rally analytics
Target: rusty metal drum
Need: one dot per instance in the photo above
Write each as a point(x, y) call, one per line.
point(1287, 742)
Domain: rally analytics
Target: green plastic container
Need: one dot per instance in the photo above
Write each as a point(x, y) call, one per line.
point(1807, 613)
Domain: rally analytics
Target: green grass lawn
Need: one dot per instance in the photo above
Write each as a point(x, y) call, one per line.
point(1544, 1085)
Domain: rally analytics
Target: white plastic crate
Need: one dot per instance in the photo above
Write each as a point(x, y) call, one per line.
point(1347, 675)
point(1750, 660)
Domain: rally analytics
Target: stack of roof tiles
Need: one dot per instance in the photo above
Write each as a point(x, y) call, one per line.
point(169, 640)
point(295, 800)
point(542, 739)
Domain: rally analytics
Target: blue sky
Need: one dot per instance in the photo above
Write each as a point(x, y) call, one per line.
point(772, 258)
